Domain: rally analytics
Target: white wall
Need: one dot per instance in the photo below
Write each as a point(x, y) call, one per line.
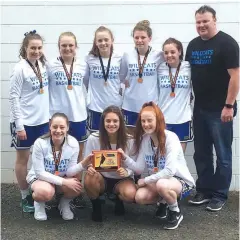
point(168, 18)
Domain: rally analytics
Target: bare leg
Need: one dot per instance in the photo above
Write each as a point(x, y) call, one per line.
point(21, 168)
point(147, 194)
point(184, 146)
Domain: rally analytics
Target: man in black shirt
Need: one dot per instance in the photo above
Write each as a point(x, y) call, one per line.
point(214, 59)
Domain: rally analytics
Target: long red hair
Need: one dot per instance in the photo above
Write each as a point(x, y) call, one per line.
point(160, 127)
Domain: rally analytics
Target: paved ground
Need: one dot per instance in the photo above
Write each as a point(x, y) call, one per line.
point(138, 223)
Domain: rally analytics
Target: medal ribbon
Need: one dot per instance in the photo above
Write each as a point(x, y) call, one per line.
point(105, 74)
point(155, 156)
point(55, 158)
point(141, 65)
point(37, 73)
point(69, 75)
point(173, 80)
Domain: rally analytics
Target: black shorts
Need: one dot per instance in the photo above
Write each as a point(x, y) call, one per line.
point(111, 183)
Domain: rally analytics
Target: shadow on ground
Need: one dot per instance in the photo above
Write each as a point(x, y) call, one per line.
point(138, 223)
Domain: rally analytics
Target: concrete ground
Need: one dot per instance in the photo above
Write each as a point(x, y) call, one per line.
point(138, 223)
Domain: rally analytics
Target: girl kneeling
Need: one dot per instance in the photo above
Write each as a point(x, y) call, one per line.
point(112, 135)
point(54, 163)
point(161, 151)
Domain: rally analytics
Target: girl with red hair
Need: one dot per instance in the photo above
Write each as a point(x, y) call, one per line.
point(168, 175)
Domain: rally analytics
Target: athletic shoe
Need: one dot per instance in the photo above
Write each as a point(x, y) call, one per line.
point(174, 219)
point(27, 204)
point(215, 205)
point(199, 199)
point(65, 210)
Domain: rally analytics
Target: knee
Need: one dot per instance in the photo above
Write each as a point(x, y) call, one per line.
point(43, 194)
point(128, 195)
point(161, 186)
point(140, 198)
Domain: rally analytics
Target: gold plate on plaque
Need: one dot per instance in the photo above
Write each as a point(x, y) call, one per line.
point(106, 160)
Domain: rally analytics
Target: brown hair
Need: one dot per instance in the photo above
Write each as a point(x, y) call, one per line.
point(143, 26)
point(55, 115)
point(160, 127)
point(122, 131)
point(205, 8)
point(69, 34)
point(178, 44)
point(95, 51)
point(32, 35)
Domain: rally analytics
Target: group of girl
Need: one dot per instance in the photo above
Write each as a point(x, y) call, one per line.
point(77, 96)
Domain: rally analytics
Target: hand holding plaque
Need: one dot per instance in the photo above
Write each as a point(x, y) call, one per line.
point(122, 172)
point(106, 160)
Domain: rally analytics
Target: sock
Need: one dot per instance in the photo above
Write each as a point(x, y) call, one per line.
point(24, 193)
point(174, 207)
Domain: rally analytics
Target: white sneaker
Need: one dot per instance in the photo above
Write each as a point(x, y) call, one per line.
point(64, 208)
point(40, 212)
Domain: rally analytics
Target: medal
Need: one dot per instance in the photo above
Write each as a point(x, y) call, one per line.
point(69, 75)
point(141, 65)
point(38, 75)
point(173, 80)
point(69, 87)
point(155, 169)
point(56, 158)
point(105, 74)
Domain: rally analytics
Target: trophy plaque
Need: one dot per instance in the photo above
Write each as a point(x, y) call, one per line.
point(106, 160)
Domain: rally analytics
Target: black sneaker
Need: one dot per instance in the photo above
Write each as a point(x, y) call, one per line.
point(215, 205)
point(119, 209)
point(199, 198)
point(174, 219)
point(162, 211)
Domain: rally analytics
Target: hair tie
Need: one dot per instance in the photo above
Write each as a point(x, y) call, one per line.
point(31, 32)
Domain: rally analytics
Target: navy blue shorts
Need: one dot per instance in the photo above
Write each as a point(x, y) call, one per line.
point(130, 118)
point(78, 130)
point(33, 132)
point(183, 131)
point(93, 120)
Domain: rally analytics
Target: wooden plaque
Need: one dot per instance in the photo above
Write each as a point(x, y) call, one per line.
point(106, 160)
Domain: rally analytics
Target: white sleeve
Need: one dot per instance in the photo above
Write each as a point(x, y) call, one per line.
point(137, 163)
point(73, 166)
point(89, 146)
point(38, 165)
point(123, 68)
point(86, 73)
point(172, 150)
point(16, 83)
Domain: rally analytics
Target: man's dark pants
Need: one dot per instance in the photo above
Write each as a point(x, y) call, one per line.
point(210, 131)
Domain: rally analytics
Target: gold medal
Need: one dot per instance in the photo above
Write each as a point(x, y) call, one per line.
point(57, 173)
point(69, 87)
point(155, 169)
point(140, 80)
point(172, 94)
point(41, 91)
point(105, 83)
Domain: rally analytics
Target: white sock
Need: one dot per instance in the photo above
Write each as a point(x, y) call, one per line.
point(24, 193)
point(174, 207)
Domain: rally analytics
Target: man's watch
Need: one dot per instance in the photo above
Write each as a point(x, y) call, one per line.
point(228, 105)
